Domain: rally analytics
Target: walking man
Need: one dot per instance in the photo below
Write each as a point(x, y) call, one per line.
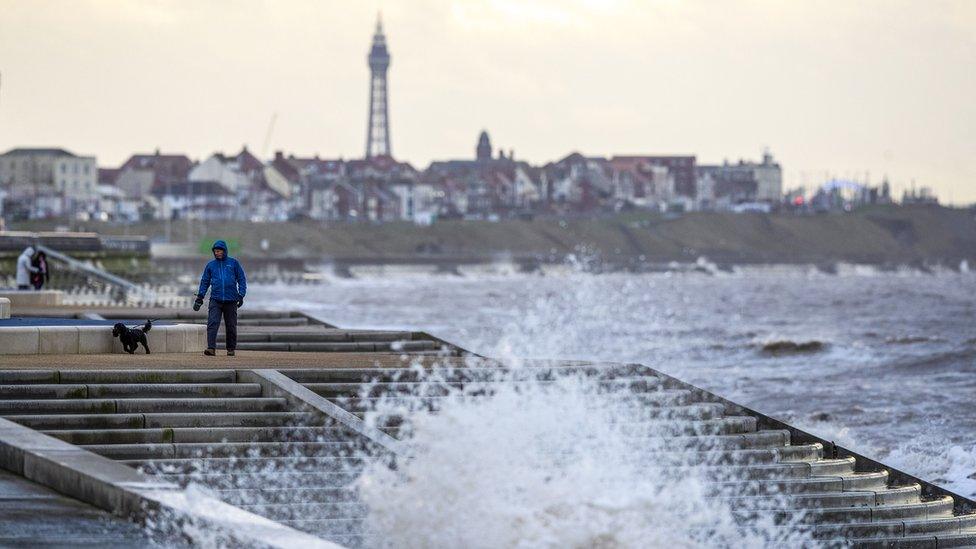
point(25, 268)
point(228, 285)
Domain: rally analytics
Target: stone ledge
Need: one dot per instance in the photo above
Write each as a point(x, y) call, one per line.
point(119, 489)
point(276, 384)
point(85, 340)
point(33, 298)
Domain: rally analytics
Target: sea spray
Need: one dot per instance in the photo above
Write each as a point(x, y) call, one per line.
point(517, 460)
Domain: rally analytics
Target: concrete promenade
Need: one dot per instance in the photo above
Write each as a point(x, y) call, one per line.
point(243, 360)
point(32, 515)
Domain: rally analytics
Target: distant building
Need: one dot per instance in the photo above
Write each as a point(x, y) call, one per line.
point(923, 195)
point(483, 186)
point(264, 192)
point(43, 182)
point(236, 173)
point(207, 200)
point(579, 184)
point(641, 184)
point(681, 168)
point(743, 181)
point(483, 150)
point(115, 205)
point(142, 173)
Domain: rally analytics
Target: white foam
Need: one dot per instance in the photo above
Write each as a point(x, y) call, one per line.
point(543, 468)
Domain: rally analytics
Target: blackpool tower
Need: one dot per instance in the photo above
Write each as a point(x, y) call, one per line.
point(378, 129)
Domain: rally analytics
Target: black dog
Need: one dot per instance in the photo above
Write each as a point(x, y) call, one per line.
point(132, 337)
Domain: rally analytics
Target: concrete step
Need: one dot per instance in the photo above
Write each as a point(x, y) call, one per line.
point(14, 377)
point(920, 510)
point(327, 527)
point(148, 376)
point(286, 495)
point(649, 430)
point(202, 404)
point(258, 321)
point(247, 480)
point(839, 467)
point(899, 495)
point(134, 390)
point(244, 464)
point(962, 539)
point(197, 435)
point(43, 390)
point(748, 456)
point(320, 336)
point(897, 528)
point(292, 511)
point(661, 398)
point(350, 375)
point(162, 420)
point(140, 405)
point(424, 389)
point(719, 426)
point(451, 375)
point(185, 390)
point(874, 481)
point(341, 347)
point(48, 377)
point(699, 411)
point(146, 451)
point(719, 443)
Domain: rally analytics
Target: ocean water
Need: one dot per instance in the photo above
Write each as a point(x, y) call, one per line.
point(893, 376)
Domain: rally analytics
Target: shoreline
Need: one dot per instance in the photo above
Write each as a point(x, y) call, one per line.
point(883, 235)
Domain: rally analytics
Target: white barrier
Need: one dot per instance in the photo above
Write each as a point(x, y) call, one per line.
point(83, 340)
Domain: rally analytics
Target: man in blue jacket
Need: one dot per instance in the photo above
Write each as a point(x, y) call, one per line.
point(228, 285)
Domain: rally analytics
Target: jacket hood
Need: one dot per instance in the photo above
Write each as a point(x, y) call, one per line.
point(220, 245)
point(28, 250)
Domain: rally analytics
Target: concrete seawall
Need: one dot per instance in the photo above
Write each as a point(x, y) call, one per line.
point(72, 340)
point(29, 298)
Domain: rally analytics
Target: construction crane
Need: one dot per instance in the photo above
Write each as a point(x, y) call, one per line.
point(267, 136)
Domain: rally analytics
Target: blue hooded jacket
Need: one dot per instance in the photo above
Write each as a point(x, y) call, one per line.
point(224, 276)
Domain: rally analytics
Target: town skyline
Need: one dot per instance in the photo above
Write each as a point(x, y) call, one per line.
point(532, 104)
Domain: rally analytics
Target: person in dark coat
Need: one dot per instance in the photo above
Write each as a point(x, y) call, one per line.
point(225, 278)
point(43, 275)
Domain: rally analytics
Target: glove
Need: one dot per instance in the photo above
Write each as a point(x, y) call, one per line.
point(240, 302)
point(198, 303)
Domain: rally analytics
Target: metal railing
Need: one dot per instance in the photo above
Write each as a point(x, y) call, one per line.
point(130, 289)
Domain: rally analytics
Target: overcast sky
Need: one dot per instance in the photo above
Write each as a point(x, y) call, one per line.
point(847, 87)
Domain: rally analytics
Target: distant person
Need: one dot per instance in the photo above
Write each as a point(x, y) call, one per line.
point(25, 267)
point(228, 285)
point(42, 275)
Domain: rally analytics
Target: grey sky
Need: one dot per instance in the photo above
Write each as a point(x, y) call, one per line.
point(884, 87)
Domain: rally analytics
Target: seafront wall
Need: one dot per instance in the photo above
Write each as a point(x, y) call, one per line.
point(87, 340)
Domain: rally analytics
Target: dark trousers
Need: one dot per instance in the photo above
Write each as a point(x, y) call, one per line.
point(227, 309)
point(23, 287)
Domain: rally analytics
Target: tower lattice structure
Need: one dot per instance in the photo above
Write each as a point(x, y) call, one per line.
point(378, 128)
